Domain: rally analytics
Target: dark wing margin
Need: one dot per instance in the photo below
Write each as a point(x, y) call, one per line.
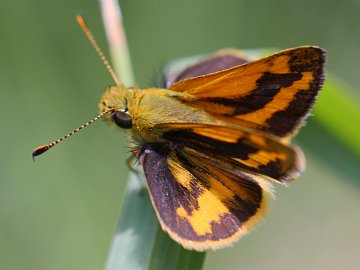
point(199, 204)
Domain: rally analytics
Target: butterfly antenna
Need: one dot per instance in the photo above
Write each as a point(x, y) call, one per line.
point(80, 19)
point(41, 149)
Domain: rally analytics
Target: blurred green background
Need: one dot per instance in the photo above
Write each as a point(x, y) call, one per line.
point(60, 212)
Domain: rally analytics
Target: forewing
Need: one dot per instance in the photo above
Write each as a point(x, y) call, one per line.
point(199, 204)
point(273, 94)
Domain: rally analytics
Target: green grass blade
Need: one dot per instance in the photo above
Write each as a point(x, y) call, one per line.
point(338, 112)
point(117, 40)
point(136, 231)
point(167, 254)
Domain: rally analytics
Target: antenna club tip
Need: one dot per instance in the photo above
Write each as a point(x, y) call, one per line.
point(39, 150)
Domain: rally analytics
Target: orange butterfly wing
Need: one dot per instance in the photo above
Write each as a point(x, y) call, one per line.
point(273, 94)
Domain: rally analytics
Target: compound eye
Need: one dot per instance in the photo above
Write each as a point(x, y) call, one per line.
point(122, 119)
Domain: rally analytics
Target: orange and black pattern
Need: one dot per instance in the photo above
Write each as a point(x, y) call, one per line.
point(239, 150)
point(273, 94)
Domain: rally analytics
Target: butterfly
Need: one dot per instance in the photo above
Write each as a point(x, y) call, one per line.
point(213, 139)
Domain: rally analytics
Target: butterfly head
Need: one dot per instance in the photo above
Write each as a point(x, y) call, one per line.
point(115, 101)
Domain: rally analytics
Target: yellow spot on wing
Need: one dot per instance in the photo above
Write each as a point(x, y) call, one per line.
point(258, 140)
point(182, 176)
point(262, 158)
point(210, 208)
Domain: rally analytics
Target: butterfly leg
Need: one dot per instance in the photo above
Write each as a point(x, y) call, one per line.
point(130, 162)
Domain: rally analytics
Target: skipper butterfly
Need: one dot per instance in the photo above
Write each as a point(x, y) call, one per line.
point(215, 136)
